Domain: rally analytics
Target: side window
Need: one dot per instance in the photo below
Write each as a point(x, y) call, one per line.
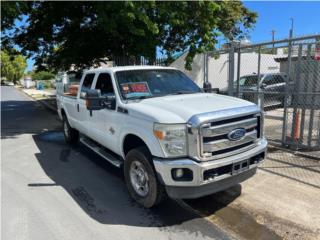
point(268, 80)
point(279, 79)
point(87, 82)
point(273, 79)
point(104, 84)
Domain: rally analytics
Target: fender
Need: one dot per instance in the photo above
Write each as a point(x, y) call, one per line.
point(146, 135)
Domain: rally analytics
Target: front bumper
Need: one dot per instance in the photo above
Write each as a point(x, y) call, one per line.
point(201, 184)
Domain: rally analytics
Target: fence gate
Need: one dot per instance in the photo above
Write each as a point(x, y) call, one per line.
point(283, 78)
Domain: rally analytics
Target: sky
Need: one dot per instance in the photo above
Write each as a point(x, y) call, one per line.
point(275, 15)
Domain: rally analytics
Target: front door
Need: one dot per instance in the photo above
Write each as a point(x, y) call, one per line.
point(104, 127)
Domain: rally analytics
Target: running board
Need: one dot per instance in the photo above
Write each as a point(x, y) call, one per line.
point(101, 151)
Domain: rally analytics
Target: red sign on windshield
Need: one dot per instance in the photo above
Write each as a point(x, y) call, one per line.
point(139, 87)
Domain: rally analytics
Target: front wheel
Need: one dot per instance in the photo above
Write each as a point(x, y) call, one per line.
point(140, 178)
point(71, 135)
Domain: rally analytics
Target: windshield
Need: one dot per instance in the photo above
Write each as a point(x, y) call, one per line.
point(249, 80)
point(138, 84)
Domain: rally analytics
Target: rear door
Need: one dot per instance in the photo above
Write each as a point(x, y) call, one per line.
point(81, 109)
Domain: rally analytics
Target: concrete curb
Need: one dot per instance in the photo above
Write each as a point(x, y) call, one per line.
point(48, 106)
point(43, 102)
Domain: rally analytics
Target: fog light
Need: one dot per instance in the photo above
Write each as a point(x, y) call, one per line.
point(178, 173)
point(182, 174)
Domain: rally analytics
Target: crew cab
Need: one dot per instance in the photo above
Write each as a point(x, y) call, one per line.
point(170, 138)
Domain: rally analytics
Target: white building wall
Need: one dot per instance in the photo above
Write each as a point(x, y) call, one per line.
point(218, 68)
point(196, 74)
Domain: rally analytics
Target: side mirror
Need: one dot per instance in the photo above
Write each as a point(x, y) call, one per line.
point(94, 101)
point(263, 85)
point(110, 102)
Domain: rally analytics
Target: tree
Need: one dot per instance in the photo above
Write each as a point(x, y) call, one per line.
point(42, 75)
point(12, 65)
point(60, 34)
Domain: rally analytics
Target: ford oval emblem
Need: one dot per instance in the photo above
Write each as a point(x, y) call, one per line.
point(236, 134)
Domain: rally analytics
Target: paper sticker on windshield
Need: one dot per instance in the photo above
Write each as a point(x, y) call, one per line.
point(135, 89)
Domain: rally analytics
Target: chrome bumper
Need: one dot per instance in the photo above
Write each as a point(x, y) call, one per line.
point(164, 167)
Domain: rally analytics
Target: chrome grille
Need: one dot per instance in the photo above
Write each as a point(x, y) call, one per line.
point(214, 141)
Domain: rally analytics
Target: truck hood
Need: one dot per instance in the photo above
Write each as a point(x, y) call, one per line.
point(180, 108)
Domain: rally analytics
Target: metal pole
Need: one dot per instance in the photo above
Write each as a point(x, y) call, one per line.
point(305, 89)
point(206, 59)
point(259, 100)
point(285, 110)
point(204, 67)
point(296, 98)
point(273, 32)
point(238, 71)
point(231, 69)
point(312, 104)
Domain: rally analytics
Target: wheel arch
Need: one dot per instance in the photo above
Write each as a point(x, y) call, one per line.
point(131, 141)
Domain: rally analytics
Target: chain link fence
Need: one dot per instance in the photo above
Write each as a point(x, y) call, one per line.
point(283, 78)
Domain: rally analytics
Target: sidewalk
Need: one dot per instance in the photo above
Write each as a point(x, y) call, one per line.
point(283, 197)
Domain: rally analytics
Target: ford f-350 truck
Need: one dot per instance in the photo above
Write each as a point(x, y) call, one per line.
point(170, 138)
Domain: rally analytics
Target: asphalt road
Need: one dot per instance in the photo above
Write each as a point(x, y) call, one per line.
point(53, 191)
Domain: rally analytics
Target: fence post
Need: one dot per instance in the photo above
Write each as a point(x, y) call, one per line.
point(296, 100)
point(205, 67)
point(231, 69)
point(259, 100)
point(305, 90)
point(285, 107)
point(313, 99)
point(238, 70)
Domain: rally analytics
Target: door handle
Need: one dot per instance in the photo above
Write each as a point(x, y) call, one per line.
point(78, 109)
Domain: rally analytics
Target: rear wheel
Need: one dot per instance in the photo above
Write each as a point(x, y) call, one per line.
point(71, 135)
point(140, 178)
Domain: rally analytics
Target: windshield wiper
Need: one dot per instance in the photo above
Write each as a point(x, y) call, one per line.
point(139, 98)
point(181, 92)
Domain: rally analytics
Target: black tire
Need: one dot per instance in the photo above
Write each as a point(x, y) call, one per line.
point(156, 193)
point(71, 135)
point(288, 100)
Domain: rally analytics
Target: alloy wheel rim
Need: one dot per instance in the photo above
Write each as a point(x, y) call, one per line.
point(66, 129)
point(139, 178)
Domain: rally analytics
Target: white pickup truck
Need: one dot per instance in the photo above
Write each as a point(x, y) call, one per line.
point(169, 136)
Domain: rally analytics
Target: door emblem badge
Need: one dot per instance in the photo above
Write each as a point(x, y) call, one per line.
point(112, 131)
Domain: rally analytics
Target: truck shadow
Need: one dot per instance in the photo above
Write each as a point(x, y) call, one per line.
point(99, 189)
point(25, 117)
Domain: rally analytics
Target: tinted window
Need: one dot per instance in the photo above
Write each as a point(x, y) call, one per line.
point(87, 82)
point(74, 77)
point(154, 83)
point(273, 79)
point(249, 80)
point(104, 84)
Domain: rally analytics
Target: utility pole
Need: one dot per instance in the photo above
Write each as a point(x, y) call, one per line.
point(273, 32)
point(291, 30)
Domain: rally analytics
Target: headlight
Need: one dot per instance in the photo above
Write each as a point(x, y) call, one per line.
point(172, 138)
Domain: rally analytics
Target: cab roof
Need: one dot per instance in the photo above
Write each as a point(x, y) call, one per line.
point(126, 68)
